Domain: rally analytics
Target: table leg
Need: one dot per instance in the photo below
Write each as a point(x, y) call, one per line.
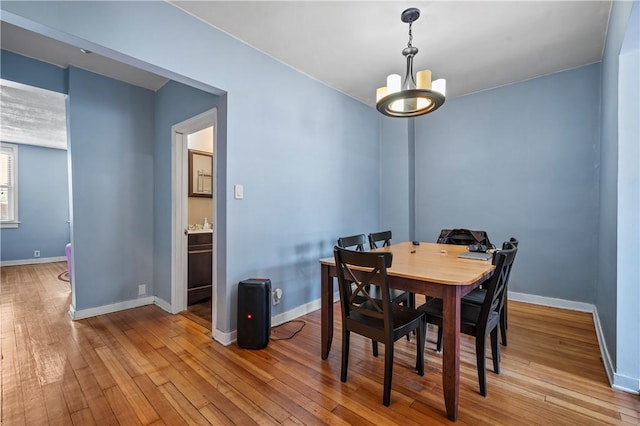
point(326, 311)
point(451, 350)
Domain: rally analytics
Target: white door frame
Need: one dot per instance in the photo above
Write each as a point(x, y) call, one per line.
point(179, 204)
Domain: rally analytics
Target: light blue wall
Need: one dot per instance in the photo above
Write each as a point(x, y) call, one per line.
point(43, 205)
point(308, 156)
point(43, 201)
point(396, 160)
point(628, 270)
point(111, 144)
point(174, 102)
point(519, 160)
point(309, 161)
point(606, 291)
point(33, 73)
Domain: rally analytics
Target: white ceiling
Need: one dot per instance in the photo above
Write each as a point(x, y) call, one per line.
point(352, 45)
point(476, 45)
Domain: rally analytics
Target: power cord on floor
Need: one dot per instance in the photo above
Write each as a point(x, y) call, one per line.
point(285, 323)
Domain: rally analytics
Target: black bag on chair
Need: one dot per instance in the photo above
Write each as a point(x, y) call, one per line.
point(464, 237)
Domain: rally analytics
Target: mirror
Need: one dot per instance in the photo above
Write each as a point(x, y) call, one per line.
point(200, 179)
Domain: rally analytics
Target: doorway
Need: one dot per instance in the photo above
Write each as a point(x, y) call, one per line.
point(194, 222)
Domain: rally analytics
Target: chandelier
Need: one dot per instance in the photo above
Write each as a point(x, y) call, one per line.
point(411, 97)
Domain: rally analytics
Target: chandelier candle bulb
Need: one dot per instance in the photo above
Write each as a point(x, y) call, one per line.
point(440, 85)
point(424, 79)
point(381, 92)
point(394, 82)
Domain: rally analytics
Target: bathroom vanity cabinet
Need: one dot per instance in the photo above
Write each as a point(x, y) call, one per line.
point(200, 267)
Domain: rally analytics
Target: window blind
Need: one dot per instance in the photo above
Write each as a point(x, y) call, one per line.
point(32, 116)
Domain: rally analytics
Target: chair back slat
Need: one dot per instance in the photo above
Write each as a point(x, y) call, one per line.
point(376, 237)
point(353, 242)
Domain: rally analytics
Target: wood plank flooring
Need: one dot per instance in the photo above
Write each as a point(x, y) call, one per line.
point(145, 366)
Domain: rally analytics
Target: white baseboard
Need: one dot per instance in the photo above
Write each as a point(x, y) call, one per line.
point(295, 313)
point(604, 352)
point(551, 302)
point(225, 339)
point(163, 304)
point(617, 381)
point(107, 309)
point(33, 261)
point(626, 384)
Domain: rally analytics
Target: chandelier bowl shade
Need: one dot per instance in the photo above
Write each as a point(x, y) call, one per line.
point(410, 103)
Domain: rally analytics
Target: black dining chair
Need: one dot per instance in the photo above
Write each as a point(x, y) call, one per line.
point(478, 295)
point(381, 320)
point(357, 242)
point(375, 238)
point(383, 239)
point(480, 320)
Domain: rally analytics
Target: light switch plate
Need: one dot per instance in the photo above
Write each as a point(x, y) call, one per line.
point(238, 191)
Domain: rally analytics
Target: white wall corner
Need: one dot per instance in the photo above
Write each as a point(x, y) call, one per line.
point(163, 304)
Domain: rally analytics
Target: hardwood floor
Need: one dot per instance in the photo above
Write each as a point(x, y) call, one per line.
point(144, 366)
point(199, 312)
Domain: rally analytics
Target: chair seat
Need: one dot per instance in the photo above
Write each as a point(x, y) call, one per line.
point(397, 296)
point(403, 318)
point(469, 314)
point(476, 296)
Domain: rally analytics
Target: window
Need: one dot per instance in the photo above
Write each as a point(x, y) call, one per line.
point(32, 116)
point(9, 185)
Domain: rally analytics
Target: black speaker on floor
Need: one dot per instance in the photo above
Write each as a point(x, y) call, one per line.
point(254, 313)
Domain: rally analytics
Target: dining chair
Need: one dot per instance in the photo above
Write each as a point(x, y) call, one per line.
point(383, 239)
point(381, 320)
point(357, 242)
point(480, 320)
point(478, 295)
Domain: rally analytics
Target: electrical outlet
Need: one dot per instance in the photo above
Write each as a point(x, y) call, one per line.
point(276, 295)
point(36, 253)
point(142, 290)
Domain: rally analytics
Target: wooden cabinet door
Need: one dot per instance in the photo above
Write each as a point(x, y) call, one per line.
point(200, 265)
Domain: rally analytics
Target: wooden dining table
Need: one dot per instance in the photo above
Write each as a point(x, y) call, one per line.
point(433, 270)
